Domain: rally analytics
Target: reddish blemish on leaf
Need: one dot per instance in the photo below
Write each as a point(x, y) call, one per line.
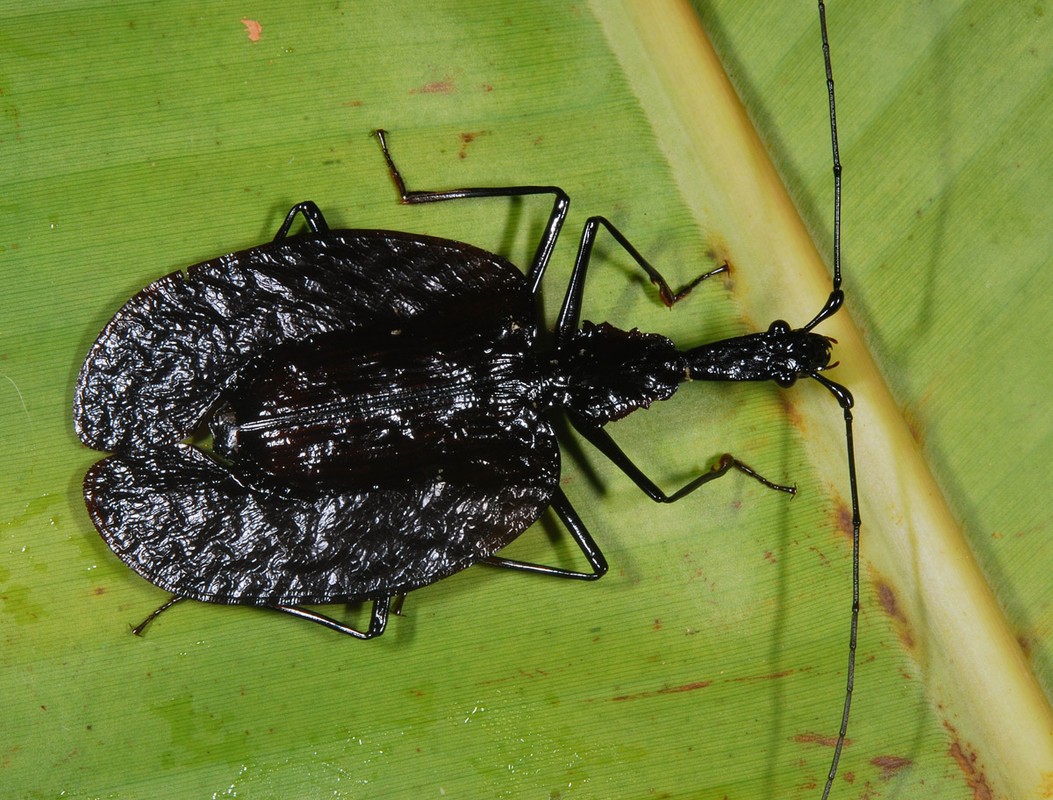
point(767, 677)
point(818, 738)
point(974, 776)
point(1025, 644)
point(844, 520)
point(793, 415)
point(466, 139)
point(917, 432)
point(253, 28)
point(890, 765)
point(445, 86)
point(687, 687)
point(889, 602)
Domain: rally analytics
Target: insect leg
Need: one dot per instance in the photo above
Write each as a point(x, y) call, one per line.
point(377, 621)
point(565, 511)
point(603, 442)
point(548, 239)
point(138, 629)
point(845, 400)
point(311, 214)
point(570, 314)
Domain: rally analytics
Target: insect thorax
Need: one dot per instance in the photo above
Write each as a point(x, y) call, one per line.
point(604, 373)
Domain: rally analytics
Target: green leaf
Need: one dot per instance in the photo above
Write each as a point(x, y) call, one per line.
point(139, 138)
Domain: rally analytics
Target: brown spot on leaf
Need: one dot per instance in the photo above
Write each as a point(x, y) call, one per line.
point(818, 738)
point(687, 687)
point(1025, 643)
point(915, 428)
point(767, 677)
point(466, 139)
point(793, 415)
point(844, 520)
point(967, 763)
point(890, 765)
point(973, 775)
point(887, 597)
point(445, 86)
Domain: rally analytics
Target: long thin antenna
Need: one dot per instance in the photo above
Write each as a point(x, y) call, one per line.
point(837, 297)
point(833, 145)
point(844, 399)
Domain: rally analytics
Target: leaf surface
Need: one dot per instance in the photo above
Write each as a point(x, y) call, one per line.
point(139, 138)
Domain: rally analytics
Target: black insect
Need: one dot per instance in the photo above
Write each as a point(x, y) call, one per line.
point(348, 415)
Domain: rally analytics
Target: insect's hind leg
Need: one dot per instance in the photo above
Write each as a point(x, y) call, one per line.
point(171, 601)
point(377, 622)
point(603, 442)
point(312, 216)
point(570, 519)
point(548, 239)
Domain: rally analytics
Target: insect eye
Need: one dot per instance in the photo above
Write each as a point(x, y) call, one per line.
point(779, 327)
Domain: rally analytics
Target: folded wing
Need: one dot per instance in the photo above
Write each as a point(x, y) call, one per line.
point(190, 526)
point(166, 356)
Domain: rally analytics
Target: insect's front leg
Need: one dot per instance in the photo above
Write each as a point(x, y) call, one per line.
point(603, 442)
point(570, 314)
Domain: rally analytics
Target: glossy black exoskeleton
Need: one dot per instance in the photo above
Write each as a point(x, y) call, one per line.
point(380, 410)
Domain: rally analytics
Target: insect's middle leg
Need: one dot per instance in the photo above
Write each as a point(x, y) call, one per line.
point(377, 622)
point(570, 315)
point(548, 239)
point(569, 517)
point(378, 619)
point(603, 442)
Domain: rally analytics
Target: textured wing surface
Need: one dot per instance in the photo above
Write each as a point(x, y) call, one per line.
point(187, 524)
point(168, 353)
